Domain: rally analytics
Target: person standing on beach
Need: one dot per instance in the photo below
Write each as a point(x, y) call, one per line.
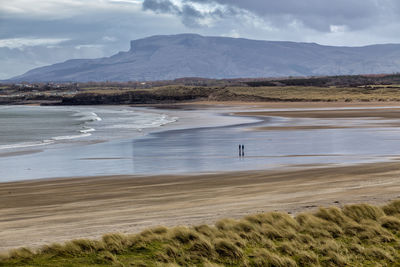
point(242, 150)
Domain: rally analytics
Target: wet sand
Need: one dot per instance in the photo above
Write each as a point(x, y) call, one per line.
point(373, 117)
point(387, 113)
point(19, 153)
point(284, 105)
point(40, 212)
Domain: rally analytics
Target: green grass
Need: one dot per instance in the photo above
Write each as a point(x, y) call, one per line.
point(355, 235)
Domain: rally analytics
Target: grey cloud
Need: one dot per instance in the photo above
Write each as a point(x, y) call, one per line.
point(162, 6)
point(315, 14)
point(85, 36)
point(190, 16)
point(87, 29)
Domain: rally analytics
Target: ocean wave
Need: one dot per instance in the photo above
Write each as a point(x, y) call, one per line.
point(68, 137)
point(87, 122)
point(87, 116)
point(143, 123)
point(87, 130)
point(50, 141)
point(27, 144)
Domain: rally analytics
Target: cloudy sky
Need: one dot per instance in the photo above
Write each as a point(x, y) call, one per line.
point(40, 32)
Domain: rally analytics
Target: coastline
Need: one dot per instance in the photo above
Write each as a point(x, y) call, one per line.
point(42, 211)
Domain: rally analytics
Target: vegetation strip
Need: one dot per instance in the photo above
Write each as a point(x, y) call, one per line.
point(356, 235)
point(357, 88)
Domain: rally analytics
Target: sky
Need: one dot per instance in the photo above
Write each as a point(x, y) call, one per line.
point(36, 33)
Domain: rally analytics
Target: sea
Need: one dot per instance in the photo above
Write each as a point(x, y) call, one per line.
point(39, 142)
point(34, 126)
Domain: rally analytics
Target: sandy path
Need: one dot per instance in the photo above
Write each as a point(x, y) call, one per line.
point(38, 212)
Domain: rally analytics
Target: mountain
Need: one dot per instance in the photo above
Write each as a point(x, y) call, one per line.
point(168, 57)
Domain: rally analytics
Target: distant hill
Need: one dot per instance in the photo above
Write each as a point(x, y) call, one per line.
point(189, 55)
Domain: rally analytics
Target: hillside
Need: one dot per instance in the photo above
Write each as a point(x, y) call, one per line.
point(189, 55)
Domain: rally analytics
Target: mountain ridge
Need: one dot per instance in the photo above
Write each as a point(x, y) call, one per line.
point(167, 57)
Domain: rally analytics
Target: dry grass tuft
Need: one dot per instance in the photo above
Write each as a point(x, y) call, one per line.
point(305, 239)
point(202, 247)
point(89, 246)
point(317, 227)
point(263, 257)
point(290, 248)
point(210, 264)
point(307, 258)
point(21, 253)
point(268, 244)
point(116, 243)
point(376, 253)
point(227, 249)
point(392, 208)
point(225, 224)
point(361, 212)
point(356, 248)
point(207, 230)
point(352, 228)
point(171, 251)
point(184, 234)
point(164, 265)
point(107, 257)
point(390, 222)
point(328, 246)
point(373, 233)
point(275, 234)
point(69, 249)
point(335, 259)
point(332, 214)
point(159, 230)
point(281, 220)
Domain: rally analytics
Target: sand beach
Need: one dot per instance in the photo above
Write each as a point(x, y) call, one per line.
point(42, 211)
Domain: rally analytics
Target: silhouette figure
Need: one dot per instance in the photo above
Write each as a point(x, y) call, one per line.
point(242, 150)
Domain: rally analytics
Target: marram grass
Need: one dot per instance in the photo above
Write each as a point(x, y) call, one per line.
point(356, 235)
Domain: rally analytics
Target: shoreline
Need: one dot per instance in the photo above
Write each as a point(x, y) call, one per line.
point(39, 212)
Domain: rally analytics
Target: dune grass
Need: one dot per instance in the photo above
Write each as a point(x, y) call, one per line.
point(313, 93)
point(266, 93)
point(355, 235)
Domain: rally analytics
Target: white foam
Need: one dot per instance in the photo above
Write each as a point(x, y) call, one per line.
point(27, 144)
point(87, 130)
point(87, 116)
point(90, 122)
point(143, 122)
point(68, 137)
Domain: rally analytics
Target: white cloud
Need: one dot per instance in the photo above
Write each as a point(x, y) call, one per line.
point(337, 28)
point(23, 42)
point(88, 46)
point(109, 39)
point(57, 9)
